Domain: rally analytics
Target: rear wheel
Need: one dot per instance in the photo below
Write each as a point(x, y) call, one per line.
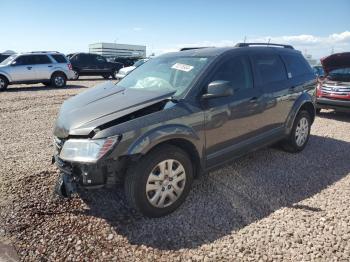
point(58, 80)
point(114, 74)
point(159, 183)
point(300, 133)
point(3, 83)
point(318, 110)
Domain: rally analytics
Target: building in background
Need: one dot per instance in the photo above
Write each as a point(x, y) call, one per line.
point(111, 50)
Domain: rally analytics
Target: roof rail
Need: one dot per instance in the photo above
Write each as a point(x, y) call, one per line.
point(263, 44)
point(191, 48)
point(33, 52)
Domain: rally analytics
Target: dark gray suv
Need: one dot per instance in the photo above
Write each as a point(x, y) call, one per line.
point(180, 115)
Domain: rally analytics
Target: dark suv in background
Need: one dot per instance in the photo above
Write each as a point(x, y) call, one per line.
point(87, 64)
point(180, 115)
point(126, 61)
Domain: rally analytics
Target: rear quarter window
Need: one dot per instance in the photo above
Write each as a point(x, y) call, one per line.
point(297, 65)
point(269, 67)
point(59, 58)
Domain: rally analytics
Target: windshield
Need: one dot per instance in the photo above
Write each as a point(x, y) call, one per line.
point(341, 74)
point(8, 60)
point(165, 73)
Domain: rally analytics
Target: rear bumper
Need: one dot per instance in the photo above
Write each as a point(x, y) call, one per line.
point(336, 104)
point(70, 74)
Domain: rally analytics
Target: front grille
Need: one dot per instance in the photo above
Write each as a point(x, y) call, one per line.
point(336, 90)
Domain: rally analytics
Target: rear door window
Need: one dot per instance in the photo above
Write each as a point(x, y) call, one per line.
point(237, 70)
point(41, 59)
point(59, 58)
point(296, 65)
point(270, 68)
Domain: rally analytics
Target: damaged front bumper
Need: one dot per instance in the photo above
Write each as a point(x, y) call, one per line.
point(87, 176)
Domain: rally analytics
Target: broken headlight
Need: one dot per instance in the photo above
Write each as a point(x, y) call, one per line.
point(86, 150)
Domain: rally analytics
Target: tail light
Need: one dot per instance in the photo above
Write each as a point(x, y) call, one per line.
point(70, 66)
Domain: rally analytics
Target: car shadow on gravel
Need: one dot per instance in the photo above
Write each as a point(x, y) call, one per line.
point(339, 116)
point(40, 88)
point(230, 198)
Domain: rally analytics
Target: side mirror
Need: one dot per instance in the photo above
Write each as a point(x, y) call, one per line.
point(218, 88)
point(13, 63)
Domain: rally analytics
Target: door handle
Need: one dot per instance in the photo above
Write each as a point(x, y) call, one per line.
point(49, 66)
point(29, 67)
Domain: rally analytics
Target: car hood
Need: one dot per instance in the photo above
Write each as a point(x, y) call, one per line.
point(83, 113)
point(336, 61)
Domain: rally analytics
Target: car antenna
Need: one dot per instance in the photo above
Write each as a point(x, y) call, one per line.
point(268, 42)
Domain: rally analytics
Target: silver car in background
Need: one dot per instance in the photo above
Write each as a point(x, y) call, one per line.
point(126, 70)
point(49, 68)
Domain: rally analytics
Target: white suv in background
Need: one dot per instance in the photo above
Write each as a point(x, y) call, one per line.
point(49, 68)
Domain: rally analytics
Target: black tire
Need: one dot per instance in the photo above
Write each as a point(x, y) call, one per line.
point(290, 144)
point(318, 110)
point(3, 83)
point(58, 80)
point(114, 74)
point(138, 173)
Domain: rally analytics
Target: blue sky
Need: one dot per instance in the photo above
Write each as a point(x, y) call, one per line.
point(68, 26)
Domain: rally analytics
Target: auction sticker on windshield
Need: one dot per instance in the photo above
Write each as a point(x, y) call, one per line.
point(182, 67)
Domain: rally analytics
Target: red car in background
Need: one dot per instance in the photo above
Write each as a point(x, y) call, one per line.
point(333, 90)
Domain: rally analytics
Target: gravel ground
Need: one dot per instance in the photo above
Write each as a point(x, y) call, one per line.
point(267, 206)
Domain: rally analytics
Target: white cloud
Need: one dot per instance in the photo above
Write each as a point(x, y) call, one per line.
point(318, 46)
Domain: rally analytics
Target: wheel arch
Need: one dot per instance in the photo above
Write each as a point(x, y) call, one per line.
point(58, 71)
point(176, 135)
point(304, 102)
point(6, 77)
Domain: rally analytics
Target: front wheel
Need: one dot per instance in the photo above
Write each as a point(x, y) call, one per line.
point(300, 133)
point(159, 183)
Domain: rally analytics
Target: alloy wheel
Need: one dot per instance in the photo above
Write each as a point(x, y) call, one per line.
point(165, 183)
point(59, 81)
point(302, 131)
point(2, 83)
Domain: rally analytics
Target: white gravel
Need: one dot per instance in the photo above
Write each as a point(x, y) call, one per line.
point(267, 206)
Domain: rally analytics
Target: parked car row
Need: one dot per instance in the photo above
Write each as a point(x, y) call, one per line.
point(54, 68)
